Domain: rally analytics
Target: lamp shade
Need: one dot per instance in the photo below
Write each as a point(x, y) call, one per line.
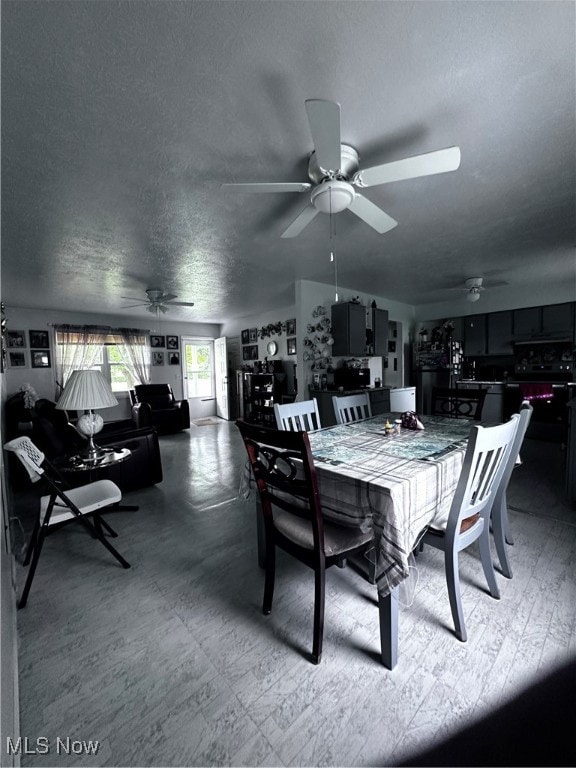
point(86, 390)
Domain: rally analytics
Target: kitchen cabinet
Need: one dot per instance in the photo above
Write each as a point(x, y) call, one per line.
point(348, 329)
point(553, 321)
point(379, 331)
point(499, 333)
point(475, 335)
point(379, 402)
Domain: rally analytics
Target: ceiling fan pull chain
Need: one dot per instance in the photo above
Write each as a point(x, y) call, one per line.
point(333, 248)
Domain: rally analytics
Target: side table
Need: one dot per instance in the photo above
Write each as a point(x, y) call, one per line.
point(109, 457)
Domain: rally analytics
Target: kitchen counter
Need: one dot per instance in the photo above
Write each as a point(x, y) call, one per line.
point(479, 382)
point(314, 392)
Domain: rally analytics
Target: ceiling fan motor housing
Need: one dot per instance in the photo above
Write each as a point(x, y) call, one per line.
point(348, 166)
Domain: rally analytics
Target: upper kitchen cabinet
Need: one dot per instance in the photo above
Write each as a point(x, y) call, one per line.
point(475, 335)
point(348, 329)
point(554, 321)
point(500, 333)
point(379, 331)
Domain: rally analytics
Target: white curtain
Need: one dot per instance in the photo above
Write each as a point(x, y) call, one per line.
point(135, 351)
point(77, 347)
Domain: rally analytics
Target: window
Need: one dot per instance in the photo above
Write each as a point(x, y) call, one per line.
point(122, 355)
point(199, 368)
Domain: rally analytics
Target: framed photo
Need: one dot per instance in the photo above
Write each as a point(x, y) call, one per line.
point(16, 338)
point(253, 352)
point(17, 359)
point(39, 340)
point(40, 358)
point(291, 346)
point(253, 335)
point(391, 346)
point(245, 336)
point(291, 329)
point(157, 341)
point(171, 342)
point(157, 358)
point(174, 358)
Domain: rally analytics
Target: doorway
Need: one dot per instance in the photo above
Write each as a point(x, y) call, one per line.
point(198, 376)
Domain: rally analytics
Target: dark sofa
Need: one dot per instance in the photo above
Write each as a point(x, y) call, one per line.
point(155, 405)
point(56, 437)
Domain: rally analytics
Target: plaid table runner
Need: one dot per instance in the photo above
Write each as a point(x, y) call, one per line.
point(396, 485)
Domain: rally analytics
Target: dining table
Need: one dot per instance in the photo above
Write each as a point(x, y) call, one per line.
point(376, 475)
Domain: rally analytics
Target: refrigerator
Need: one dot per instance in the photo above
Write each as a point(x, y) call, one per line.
point(438, 366)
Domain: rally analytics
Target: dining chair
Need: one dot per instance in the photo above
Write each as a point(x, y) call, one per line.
point(61, 506)
point(285, 476)
point(298, 417)
point(500, 520)
point(350, 408)
point(458, 403)
point(485, 460)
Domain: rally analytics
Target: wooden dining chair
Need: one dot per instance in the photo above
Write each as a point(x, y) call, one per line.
point(350, 408)
point(458, 403)
point(469, 517)
point(63, 505)
point(500, 520)
point(285, 475)
point(302, 416)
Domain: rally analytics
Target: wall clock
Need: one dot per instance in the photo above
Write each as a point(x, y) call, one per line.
point(272, 348)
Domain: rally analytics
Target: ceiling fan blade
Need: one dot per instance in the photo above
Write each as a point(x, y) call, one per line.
point(372, 215)
point(324, 121)
point(140, 304)
point(168, 296)
point(441, 161)
point(133, 298)
point(303, 218)
point(287, 186)
point(180, 303)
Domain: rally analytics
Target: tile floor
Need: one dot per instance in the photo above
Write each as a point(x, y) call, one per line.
point(172, 663)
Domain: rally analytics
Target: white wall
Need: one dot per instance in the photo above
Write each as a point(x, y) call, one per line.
point(42, 379)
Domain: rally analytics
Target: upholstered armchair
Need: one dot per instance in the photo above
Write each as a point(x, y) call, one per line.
point(155, 405)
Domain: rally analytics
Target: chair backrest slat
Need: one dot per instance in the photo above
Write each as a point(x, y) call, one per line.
point(284, 471)
point(484, 464)
point(458, 403)
point(302, 416)
point(348, 408)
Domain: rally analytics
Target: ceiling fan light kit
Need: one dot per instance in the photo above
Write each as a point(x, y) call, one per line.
point(473, 295)
point(157, 301)
point(474, 286)
point(333, 171)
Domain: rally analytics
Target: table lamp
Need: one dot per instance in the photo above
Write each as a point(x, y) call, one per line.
point(87, 391)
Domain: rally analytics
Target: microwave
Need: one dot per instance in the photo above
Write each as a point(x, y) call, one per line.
point(352, 378)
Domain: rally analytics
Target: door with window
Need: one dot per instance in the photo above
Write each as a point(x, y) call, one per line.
point(198, 376)
point(221, 376)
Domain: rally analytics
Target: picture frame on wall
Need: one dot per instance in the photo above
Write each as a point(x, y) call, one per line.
point(171, 342)
point(291, 346)
point(253, 335)
point(245, 336)
point(291, 327)
point(174, 358)
point(17, 359)
point(16, 339)
point(157, 341)
point(157, 358)
point(253, 352)
point(39, 340)
point(40, 358)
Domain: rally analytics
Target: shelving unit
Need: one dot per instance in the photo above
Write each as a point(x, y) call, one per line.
point(261, 391)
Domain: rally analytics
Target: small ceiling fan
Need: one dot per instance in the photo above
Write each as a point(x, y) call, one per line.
point(334, 174)
point(474, 287)
point(157, 301)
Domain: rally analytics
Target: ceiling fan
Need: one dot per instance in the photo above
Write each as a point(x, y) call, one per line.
point(157, 301)
point(335, 176)
point(474, 286)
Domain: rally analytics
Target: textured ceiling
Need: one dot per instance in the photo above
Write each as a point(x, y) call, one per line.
point(120, 121)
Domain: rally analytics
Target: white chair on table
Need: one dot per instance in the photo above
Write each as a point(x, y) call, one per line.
point(61, 506)
point(350, 408)
point(500, 522)
point(298, 417)
point(469, 517)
